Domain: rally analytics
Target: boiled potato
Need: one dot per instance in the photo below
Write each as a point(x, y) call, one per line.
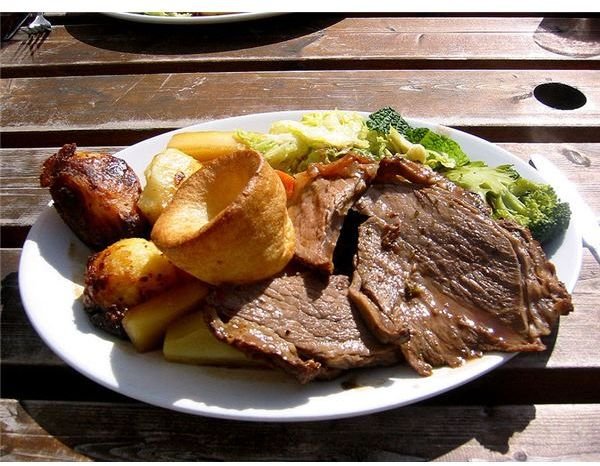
point(146, 323)
point(206, 145)
point(188, 340)
point(128, 272)
point(164, 175)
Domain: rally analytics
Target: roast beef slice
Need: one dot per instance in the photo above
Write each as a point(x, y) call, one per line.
point(433, 263)
point(319, 207)
point(300, 322)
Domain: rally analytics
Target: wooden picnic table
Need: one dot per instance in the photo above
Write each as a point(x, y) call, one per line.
point(106, 83)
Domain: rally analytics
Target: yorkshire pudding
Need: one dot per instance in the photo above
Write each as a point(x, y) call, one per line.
point(228, 223)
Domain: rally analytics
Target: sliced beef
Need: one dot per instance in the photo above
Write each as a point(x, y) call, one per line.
point(432, 261)
point(547, 297)
point(321, 201)
point(300, 322)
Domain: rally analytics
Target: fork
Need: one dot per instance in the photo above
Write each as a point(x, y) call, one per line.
point(39, 24)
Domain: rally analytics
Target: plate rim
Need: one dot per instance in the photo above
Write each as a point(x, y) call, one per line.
point(181, 20)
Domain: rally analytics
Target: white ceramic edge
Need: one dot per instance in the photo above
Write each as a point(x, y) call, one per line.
point(471, 370)
point(208, 19)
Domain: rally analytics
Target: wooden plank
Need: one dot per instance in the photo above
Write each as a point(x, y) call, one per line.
point(315, 41)
point(20, 344)
point(136, 432)
point(96, 110)
point(23, 439)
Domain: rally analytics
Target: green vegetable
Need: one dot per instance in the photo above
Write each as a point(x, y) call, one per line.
point(283, 151)
point(533, 205)
point(443, 151)
point(318, 137)
point(402, 145)
point(336, 128)
point(328, 135)
point(548, 216)
point(385, 118)
point(390, 128)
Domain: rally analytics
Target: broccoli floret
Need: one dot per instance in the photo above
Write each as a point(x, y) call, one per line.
point(385, 118)
point(553, 225)
point(533, 205)
point(483, 180)
point(548, 216)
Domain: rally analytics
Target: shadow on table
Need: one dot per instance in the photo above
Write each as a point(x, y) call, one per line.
point(167, 39)
point(118, 432)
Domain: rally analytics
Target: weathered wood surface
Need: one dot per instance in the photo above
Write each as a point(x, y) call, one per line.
point(307, 41)
point(100, 110)
point(38, 430)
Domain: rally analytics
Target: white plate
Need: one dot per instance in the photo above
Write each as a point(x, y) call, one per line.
point(208, 19)
point(50, 279)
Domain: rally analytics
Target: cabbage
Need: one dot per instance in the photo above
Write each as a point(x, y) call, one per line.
point(318, 137)
point(335, 128)
point(283, 151)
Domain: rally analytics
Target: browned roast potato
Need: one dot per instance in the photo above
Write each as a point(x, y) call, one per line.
point(123, 275)
point(96, 195)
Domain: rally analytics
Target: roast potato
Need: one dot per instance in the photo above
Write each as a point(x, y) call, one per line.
point(126, 273)
point(228, 222)
point(164, 175)
point(146, 323)
point(96, 195)
point(206, 145)
point(188, 340)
